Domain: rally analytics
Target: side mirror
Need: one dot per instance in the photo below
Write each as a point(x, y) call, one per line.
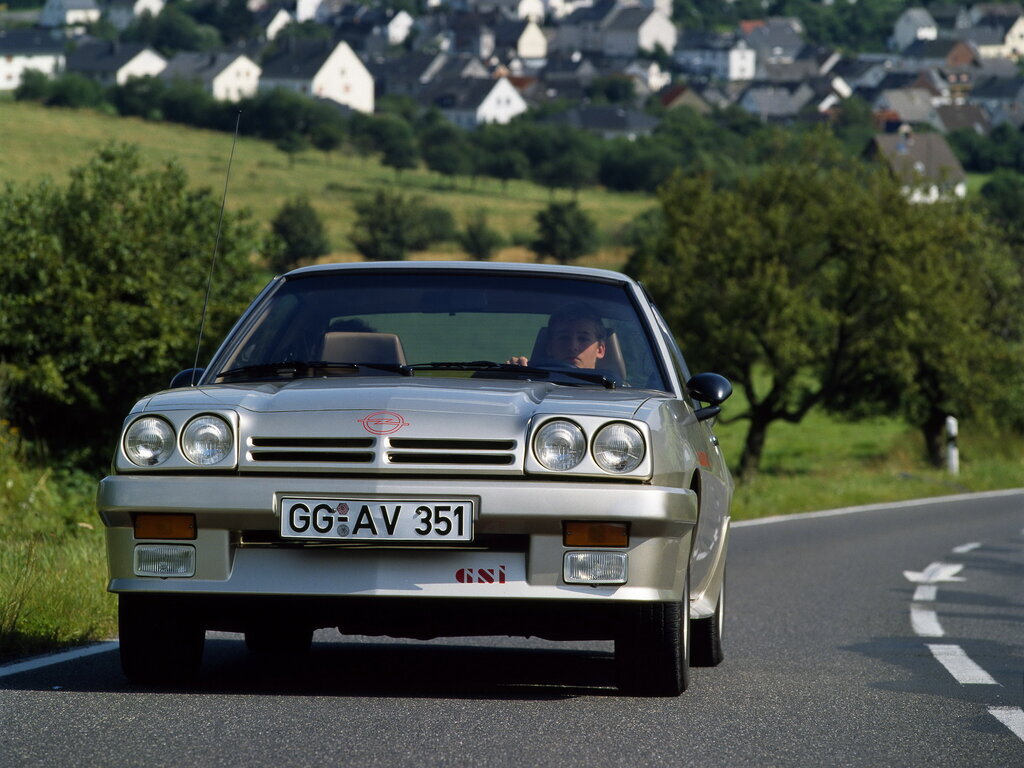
point(709, 388)
point(187, 377)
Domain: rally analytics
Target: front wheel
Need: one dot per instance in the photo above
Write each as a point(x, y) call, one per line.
point(652, 653)
point(160, 642)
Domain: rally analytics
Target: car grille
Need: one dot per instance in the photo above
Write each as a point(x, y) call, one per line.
point(332, 450)
point(382, 452)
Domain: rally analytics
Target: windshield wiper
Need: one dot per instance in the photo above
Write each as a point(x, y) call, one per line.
point(295, 368)
point(592, 377)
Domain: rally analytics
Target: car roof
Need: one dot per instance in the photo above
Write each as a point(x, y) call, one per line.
point(590, 273)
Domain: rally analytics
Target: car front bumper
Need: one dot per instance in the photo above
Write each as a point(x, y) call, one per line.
point(661, 522)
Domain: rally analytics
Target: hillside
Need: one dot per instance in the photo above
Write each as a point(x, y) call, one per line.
point(38, 142)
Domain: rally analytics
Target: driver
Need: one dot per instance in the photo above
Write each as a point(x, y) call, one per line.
point(576, 337)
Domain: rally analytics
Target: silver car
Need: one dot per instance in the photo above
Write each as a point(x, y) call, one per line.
point(424, 450)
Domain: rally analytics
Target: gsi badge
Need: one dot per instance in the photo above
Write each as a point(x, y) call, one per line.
point(381, 519)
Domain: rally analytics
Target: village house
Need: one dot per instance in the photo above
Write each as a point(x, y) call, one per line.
point(474, 102)
point(321, 69)
point(226, 76)
point(112, 63)
point(516, 9)
point(924, 164)
point(123, 13)
point(520, 38)
point(722, 56)
point(912, 25)
point(28, 49)
point(775, 39)
point(271, 20)
point(998, 36)
point(68, 13)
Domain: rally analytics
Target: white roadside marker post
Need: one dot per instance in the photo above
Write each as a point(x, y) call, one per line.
point(952, 450)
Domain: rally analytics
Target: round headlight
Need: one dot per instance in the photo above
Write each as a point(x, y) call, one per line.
point(206, 440)
point(559, 445)
point(619, 448)
point(149, 441)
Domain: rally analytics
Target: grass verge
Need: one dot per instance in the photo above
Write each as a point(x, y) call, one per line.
point(52, 557)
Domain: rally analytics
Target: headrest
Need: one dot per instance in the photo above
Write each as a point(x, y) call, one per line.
point(353, 347)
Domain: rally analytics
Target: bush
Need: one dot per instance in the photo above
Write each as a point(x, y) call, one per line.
point(477, 239)
point(101, 290)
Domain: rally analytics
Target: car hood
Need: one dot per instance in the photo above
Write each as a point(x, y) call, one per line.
point(464, 397)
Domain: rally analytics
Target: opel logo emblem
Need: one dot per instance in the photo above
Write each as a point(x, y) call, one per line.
point(383, 423)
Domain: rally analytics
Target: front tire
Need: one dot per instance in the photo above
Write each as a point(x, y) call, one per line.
point(707, 635)
point(652, 654)
point(160, 643)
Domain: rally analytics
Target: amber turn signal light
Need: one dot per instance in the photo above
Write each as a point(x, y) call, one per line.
point(154, 526)
point(583, 534)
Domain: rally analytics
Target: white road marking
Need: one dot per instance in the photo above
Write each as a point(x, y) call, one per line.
point(936, 572)
point(1011, 717)
point(960, 665)
point(963, 549)
point(56, 658)
point(925, 622)
point(925, 592)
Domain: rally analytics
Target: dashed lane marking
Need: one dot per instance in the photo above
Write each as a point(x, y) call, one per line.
point(963, 549)
point(960, 665)
point(925, 622)
point(1011, 717)
point(925, 593)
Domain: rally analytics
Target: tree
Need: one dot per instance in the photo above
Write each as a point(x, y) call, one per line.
point(817, 283)
point(396, 142)
point(1002, 199)
point(384, 226)
point(478, 239)
point(298, 234)
point(101, 290)
point(564, 232)
point(445, 150)
point(292, 143)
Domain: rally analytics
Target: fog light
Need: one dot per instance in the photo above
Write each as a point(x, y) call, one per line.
point(594, 568)
point(165, 560)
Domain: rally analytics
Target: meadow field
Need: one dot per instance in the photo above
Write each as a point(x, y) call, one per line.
point(40, 142)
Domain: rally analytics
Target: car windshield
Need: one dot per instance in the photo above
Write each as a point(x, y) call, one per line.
point(569, 330)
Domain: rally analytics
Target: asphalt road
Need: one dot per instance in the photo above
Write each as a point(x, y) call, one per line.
point(888, 637)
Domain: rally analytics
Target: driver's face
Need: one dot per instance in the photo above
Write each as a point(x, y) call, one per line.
point(576, 343)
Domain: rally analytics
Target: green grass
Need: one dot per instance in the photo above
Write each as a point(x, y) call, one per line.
point(39, 142)
point(824, 463)
point(53, 569)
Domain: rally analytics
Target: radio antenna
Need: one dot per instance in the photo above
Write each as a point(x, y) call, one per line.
point(216, 246)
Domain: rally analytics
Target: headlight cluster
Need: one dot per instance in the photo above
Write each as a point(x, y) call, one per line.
point(206, 440)
point(561, 445)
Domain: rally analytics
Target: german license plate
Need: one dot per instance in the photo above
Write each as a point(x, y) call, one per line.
point(377, 520)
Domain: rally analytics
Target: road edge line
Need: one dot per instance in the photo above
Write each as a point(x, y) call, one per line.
point(878, 507)
point(39, 662)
